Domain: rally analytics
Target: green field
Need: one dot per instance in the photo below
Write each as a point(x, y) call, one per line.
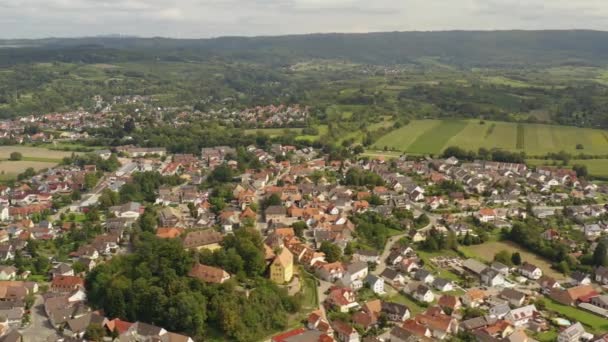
point(596, 167)
point(487, 250)
point(433, 136)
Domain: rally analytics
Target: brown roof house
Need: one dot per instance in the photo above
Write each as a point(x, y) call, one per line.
point(203, 239)
point(209, 274)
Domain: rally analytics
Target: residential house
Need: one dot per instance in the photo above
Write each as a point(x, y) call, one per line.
point(499, 311)
point(600, 301)
point(521, 316)
point(395, 312)
point(209, 274)
point(423, 293)
point(443, 285)
point(393, 277)
point(580, 278)
point(131, 210)
point(573, 295)
point(7, 272)
point(500, 268)
point(449, 303)
point(341, 298)
point(474, 298)
point(512, 296)
point(547, 284)
point(375, 283)
point(345, 332)
point(440, 325)
point(330, 271)
point(492, 278)
point(424, 276)
point(66, 283)
point(530, 271)
point(573, 333)
point(399, 334)
point(367, 256)
point(601, 275)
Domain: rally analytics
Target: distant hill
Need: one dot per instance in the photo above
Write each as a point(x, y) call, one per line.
point(459, 48)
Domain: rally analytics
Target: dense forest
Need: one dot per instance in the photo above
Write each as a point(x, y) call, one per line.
point(151, 285)
point(463, 48)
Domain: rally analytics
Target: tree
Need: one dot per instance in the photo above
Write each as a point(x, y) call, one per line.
point(581, 170)
point(332, 252)
point(222, 174)
point(503, 257)
point(600, 254)
point(271, 200)
point(516, 258)
point(148, 220)
point(16, 156)
point(94, 332)
point(299, 227)
point(90, 180)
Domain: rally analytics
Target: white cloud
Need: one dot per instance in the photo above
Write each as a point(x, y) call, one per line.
point(207, 18)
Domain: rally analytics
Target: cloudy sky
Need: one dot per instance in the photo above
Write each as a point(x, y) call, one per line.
point(212, 18)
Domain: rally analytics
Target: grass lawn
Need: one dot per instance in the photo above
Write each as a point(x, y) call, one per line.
point(309, 292)
point(78, 217)
point(433, 136)
point(400, 298)
point(486, 251)
point(546, 336)
point(596, 323)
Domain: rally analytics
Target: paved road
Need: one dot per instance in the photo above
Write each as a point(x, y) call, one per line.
point(321, 293)
point(392, 240)
point(39, 329)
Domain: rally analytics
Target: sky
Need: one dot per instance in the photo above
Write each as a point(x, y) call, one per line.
point(213, 18)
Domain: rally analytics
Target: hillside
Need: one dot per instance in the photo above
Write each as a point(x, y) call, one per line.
point(458, 48)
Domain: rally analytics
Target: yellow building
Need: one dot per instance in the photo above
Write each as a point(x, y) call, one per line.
point(281, 269)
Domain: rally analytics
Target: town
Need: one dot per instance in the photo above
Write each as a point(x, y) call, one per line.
point(348, 249)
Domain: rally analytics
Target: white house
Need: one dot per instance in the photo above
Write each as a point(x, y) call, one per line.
point(443, 285)
point(521, 316)
point(490, 277)
point(530, 271)
point(423, 294)
point(375, 283)
point(4, 213)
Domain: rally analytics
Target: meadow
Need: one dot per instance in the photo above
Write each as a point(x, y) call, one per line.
point(37, 158)
point(433, 136)
point(33, 153)
point(487, 250)
point(595, 167)
point(10, 169)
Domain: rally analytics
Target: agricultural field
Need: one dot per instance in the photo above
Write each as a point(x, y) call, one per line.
point(34, 153)
point(35, 157)
point(10, 169)
point(433, 136)
point(275, 132)
point(595, 167)
point(486, 251)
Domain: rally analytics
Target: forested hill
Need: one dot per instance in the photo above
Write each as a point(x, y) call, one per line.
point(458, 48)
